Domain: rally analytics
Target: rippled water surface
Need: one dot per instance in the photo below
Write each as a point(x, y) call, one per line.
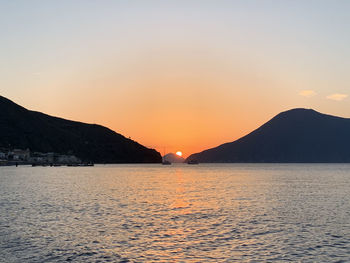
point(178, 213)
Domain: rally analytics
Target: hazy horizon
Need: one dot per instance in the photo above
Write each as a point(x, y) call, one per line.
point(176, 75)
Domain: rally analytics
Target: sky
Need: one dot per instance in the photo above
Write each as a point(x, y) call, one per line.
point(179, 75)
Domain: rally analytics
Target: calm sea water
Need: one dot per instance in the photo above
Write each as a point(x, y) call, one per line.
point(178, 213)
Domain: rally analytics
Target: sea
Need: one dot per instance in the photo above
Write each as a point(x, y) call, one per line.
point(176, 213)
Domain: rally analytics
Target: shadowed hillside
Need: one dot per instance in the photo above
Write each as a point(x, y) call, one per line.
point(298, 135)
point(173, 158)
point(22, 128)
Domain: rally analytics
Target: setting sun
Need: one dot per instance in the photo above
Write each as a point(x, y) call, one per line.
point(179, 153)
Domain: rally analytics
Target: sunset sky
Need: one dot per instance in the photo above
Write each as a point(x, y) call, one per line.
point(176, 75)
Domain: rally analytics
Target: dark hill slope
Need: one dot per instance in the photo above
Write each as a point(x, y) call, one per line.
point(22, 128)
point(298, 135)
point(173, 158)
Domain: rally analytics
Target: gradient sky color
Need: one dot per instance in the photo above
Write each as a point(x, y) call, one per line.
point(176, 75)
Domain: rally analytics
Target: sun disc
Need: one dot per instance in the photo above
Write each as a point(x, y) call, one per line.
point(179, 153)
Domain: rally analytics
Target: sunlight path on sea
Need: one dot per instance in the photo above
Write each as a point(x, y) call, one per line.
point(178, 213)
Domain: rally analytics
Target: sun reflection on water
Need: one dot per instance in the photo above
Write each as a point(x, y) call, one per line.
point(147, 213)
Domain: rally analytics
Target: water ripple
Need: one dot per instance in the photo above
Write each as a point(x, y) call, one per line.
point(145, 213)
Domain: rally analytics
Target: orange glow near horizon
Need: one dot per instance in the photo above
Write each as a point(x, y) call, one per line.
point(184, 75)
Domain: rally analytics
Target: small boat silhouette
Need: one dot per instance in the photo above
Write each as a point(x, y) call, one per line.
point(164, 161)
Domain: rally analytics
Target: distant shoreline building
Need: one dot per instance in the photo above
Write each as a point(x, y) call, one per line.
point(19, 156)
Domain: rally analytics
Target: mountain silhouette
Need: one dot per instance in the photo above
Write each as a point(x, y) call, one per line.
point(173, 158)
point(294, 136)
point(22, 128)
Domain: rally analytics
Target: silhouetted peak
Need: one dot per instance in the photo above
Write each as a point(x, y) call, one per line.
point(299, 112)
point(296, 135)
point(5, 100)
point(173, 158)
point(300, 115)
point(21, 128)
point(8, 104)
